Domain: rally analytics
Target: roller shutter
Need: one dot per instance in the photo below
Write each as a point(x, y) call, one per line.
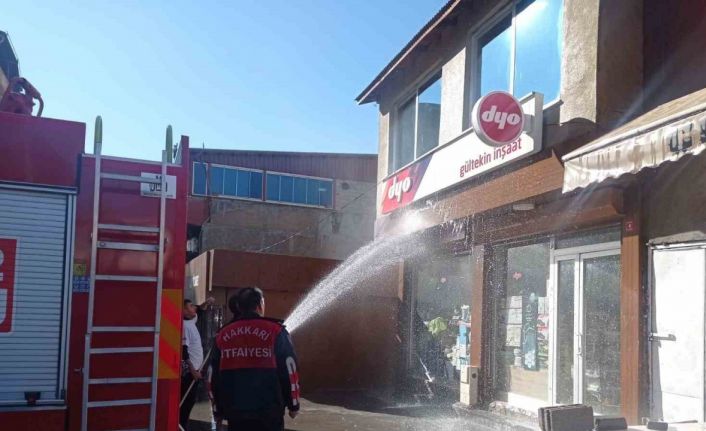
point(36, 227)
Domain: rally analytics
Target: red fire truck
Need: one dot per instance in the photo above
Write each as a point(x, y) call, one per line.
point(92, 252)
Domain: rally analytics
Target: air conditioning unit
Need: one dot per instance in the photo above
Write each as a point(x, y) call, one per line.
point(469, 385)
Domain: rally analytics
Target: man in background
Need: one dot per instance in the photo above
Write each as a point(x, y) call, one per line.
point(254, 369)
point(192, 359)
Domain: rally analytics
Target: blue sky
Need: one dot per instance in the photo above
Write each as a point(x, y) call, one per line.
point(264, 75)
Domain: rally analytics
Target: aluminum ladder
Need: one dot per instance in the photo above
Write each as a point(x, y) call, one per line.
point(94, 278)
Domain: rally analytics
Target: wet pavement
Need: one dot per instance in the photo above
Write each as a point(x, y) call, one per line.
point(320, 416)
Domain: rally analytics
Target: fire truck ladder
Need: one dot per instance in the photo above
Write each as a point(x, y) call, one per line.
point(94, 277)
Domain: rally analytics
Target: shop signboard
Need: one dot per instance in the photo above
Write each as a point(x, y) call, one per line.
point(504, 130)
point(498, 119)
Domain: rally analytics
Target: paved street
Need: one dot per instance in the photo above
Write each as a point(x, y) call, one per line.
point(322, 417)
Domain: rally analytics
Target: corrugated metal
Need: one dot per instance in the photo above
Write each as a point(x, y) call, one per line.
point(352, 167)
point(30, 355)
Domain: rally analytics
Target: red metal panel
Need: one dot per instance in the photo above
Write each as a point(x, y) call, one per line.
point(40, 150)
point(33, 420)
point(47, 152)
point(121, 365)
point(122, 204)
point(175, 258)
point(168, 397)
point(122, 262)
point(135, 299)
point(124, 417)
point(138, 339)
point(122, 391)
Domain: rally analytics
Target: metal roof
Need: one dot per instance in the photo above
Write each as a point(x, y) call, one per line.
point(8, 59)
point(429, 27)
point(353, 167)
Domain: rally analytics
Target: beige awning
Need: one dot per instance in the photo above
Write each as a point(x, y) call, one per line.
point(665, 133)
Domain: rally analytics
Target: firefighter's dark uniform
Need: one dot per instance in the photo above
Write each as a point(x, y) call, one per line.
point(255, 374)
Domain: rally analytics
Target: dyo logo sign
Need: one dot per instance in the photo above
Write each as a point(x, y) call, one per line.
point(492, 115)
point(8, 248)
point(498, 119)
point(397, 189)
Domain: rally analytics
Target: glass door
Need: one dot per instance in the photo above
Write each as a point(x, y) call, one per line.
point(586, 339)
point(564, 337)
point(440, 310)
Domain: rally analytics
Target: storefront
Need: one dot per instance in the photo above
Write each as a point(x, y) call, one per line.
point(538, 314)
point(556, 308)
point(660, 151)
point(528, 294)
point(540, 297)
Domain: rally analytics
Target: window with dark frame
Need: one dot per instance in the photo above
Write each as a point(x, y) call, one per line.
point(417, 124)
point(299, 190)
point(521, 53)
point(226, 181)
point(199, 179)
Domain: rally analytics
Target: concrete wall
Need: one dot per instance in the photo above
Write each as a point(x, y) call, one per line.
point(619, 70)
point(453, 76)
point(332, 234)
point(350, 345)
point(675, 201)
point(675, 65)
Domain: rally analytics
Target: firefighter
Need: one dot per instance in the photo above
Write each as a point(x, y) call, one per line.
point(255, 369)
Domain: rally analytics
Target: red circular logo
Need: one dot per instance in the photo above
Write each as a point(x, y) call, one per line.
point(498, 118)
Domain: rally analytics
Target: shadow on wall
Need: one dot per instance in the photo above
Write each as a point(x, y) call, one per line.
point(675, 193)
point(350, 347)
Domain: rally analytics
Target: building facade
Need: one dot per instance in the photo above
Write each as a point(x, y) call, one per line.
point(283, 222)
point(299, 204)
point(536, 279)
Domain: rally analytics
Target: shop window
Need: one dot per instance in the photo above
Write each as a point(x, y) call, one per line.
point(585, 326)
point(199, 179)
point(440, 319)
point(416, 129)
point(522, 333)
point(241, 183)
point(300, 190)
point(522, 52)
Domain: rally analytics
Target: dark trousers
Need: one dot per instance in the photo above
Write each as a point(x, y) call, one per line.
point(185, 409)
point(256, 421)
